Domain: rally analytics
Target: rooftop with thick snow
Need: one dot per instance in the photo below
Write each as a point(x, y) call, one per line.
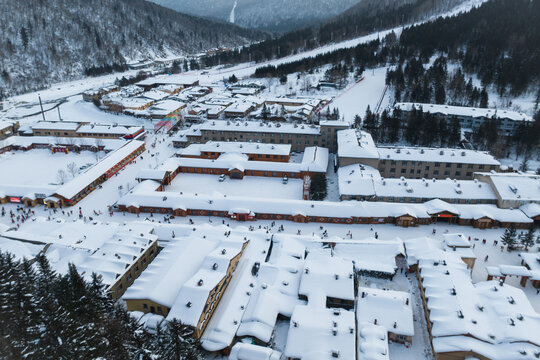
point(520, 186)
point(173, 266)
point(260, 127)
point(388, 308)
point(366, 182)
point(354, 143)
point(240, 147)
point(329, 334)
point(489, 319)
point(465, 111)
point(436, 155)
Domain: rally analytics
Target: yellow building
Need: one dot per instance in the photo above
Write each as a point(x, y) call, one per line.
point(186, 280)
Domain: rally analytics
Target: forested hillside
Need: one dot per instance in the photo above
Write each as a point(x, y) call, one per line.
point(269, 15)
point(499, 41)
point(435, 63)
point(365, 17)
point(45, 41)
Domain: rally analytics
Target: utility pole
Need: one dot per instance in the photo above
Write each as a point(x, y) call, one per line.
point(41, 106)
point(59, 117)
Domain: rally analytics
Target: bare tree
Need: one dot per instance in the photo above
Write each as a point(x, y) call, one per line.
point(72, 169)
point(61, 176)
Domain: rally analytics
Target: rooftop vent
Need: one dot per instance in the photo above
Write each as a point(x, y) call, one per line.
point(200, 282)
point(188, 304)
point(215, 266)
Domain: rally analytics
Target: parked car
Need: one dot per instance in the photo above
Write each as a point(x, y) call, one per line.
point(285, 179)
point(222, 178)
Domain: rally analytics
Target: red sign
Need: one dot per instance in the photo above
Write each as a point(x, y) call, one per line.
point(15, 199)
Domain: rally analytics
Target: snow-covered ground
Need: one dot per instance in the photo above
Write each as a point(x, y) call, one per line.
point(249, 186)
point(40, 166)
point(355, 99)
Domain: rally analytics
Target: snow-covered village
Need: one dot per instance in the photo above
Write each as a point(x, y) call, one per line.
point(259, 200)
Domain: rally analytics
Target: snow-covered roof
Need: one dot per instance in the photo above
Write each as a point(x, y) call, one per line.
point(388, 308)
point(260, 127)
point(321, 334)
point(372, 342)
point(108, 129)
point(28, 191)
point(151, 174)
point(76, 185)
point(246, 351)
point(56, 125)
point(341, 209)
point(27, 141)
point(277, 290)
point(154, 94)
point(172, 267)
point(241, 147)
point(465, 111)
point(456, 240)
point(325, 276)
point(531, 209)
point(193, 295)
point(436, 155)
point(365, 181)
point(20, 249)
point(354, 143)
point(315, 159)
point(177, 79)
point(116, 255)
point(370, 254)
point(489, 313)
point(515, 186)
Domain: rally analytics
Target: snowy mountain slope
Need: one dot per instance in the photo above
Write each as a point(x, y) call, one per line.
point(271, 15)
point(54, 40)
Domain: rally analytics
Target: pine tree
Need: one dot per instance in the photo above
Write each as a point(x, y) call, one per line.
point(179, 343)
point(527, 239)
point(509, 238)
point(318, 188)
point(484, 98)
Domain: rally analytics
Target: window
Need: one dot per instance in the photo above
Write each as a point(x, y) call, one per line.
point(393, 170)
point(469, 166)
point(145, 306)
point(458, 173)
point(480, 166)
point(446, 173)
point(436, 172)
point(448, 165)
point(459, 166)
point(437, 164)
point(403, 171)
